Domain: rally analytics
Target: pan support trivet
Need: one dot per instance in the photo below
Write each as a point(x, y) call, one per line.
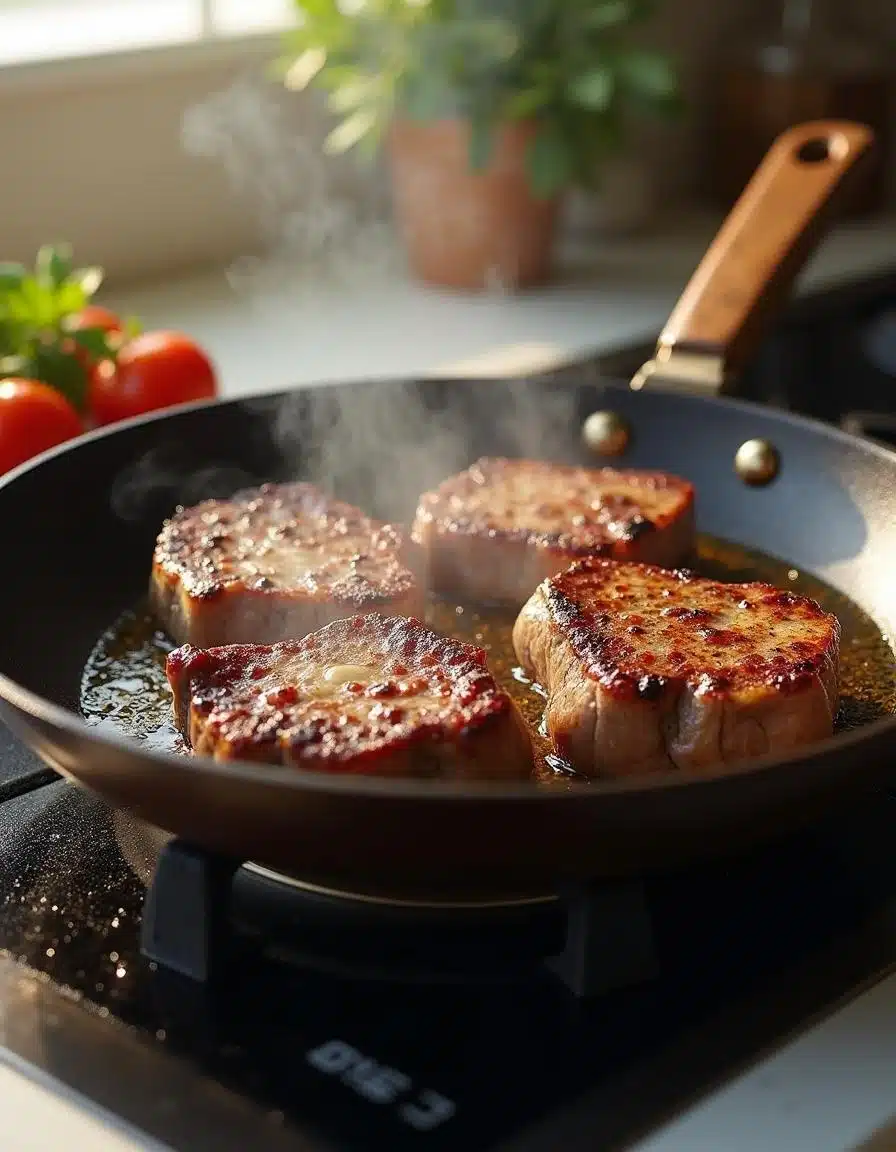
point(202, 909)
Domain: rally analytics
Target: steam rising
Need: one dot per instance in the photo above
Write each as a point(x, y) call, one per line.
point(163, 478)
point(377, 444)
point(381, 444)
point(312, 223)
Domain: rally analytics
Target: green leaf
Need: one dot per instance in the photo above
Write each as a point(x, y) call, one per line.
point(592, 89)
point(497, 38)
point(426, 97)
point(607, 132)
point(642, 10)
point(315, 8)
point(300, 72)
point(89, 279)
point(610, 14)
point(549, 162)
point(57, 368)
point(521, 105)
point(547, 72)
point(13, 366)
point(69, 298)
point(54, 264)
point(646, 74)
point(353, 95)
point(350, 131)
point(481, 142)
point(33, 304)
point(131, 327)
point(335, 76)
point(96, 341)
point(669, 107)
point(37, 315)
point(11, 276)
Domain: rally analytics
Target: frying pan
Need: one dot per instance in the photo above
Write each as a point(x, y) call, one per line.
point(80, 523)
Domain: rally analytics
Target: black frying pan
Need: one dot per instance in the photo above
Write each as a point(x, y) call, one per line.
point(79, 527)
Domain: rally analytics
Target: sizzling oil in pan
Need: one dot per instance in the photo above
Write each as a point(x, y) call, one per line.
point(124, 685)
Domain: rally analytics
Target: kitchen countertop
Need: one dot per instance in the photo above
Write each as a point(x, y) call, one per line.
point(831, 1090)
point(608, 294)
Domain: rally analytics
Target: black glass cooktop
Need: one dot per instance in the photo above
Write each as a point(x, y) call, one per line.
point(744, 950)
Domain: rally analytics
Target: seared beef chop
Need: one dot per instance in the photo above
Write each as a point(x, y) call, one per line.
point(648, 670)
point(496, 530)
point(276, 562)
point(370, 694)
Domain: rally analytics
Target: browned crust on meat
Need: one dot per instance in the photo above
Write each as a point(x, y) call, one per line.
point(587, 601)
point(211, 561)
point(494, 532)
point(232, 703)
point(648, 670)
point(459, 507)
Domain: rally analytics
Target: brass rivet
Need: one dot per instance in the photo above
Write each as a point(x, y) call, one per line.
point(757, 462)
point(606, 433)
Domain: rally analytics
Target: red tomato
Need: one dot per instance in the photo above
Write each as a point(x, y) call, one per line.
point(95, 316)
point(154, 370)
point(33, 418)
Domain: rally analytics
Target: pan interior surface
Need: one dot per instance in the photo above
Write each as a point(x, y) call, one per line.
point(124, 690)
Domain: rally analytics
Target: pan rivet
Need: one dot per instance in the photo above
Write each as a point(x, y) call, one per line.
point(757, 462)
point(606, 433)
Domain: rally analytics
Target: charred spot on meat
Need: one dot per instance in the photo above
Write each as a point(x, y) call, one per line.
point(276, 562)
point(369, 694)
point(493, 532)
point(649, 670)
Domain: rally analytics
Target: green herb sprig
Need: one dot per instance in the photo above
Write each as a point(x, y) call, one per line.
point(39, 338)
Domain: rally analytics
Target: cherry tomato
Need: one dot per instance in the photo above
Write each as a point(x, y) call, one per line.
point(33, 418)
point(95, 316)
point(154, 370)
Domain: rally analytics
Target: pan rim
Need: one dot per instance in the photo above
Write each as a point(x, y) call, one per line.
point(407, 788)
point(782, 415)
point(60, 718)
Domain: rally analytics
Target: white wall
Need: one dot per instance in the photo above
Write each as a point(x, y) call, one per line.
point(94, 155)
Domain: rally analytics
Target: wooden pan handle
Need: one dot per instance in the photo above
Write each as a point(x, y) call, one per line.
point(764, 243)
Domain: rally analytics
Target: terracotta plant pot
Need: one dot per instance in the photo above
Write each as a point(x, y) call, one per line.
point(464, 229)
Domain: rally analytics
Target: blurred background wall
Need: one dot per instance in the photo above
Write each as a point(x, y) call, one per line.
point(84, 146)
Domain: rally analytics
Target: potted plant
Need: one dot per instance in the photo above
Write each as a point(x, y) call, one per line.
point(488, 110)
